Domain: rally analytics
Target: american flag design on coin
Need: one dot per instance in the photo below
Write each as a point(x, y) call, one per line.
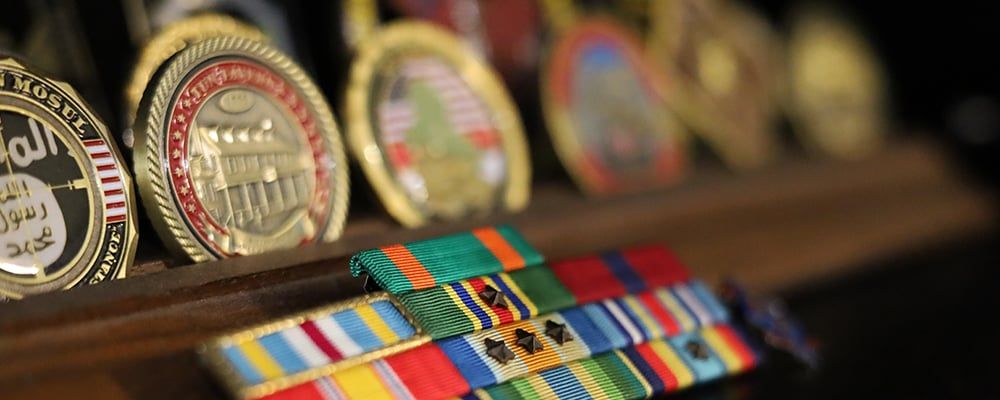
point(440, 138)
point(66, 204)
point(436, 130)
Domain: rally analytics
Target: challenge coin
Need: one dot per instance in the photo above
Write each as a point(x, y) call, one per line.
point(722, 91)
point(838, 100)
point(237, 153)
point(67, 215)
point(173, 38)
point(606, 111)
point(434, 129)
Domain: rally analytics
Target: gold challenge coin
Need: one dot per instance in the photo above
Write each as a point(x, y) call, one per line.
point(237, 153)
point(433, 127)
point(172, 39)
point(67, 212)
point(838, 98)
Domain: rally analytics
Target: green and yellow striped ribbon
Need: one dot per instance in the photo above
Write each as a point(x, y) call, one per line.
point(606, 376)
point(456, 308)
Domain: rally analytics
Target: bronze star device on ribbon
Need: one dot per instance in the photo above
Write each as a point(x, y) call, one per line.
point(237, 153)
point(67, 212)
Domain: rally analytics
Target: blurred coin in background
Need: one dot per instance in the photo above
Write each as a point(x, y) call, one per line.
point(507, 32)
point(717, 59)
point(434, 128)
point(147, 17)
point(606, 110)
point(837, 96)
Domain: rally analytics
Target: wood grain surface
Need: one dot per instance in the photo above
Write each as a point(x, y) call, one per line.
point(798, 222)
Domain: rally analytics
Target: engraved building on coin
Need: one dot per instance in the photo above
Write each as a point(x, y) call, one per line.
point(173, 38)
point(434, 128)
point(237, 153)
point(66, 205)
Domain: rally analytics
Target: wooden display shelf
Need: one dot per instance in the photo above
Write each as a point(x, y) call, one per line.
point(797, 222)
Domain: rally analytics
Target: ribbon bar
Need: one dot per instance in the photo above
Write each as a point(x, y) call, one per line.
point(424, 264)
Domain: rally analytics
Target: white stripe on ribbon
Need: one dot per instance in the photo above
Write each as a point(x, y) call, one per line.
point(501, 372)
point(336, 335)
point(688, 297)
point(624, 320)
point(305, 348)
point(391, 380)
point(329, 389)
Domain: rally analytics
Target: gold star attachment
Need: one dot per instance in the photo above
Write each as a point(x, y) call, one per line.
point(498, 350)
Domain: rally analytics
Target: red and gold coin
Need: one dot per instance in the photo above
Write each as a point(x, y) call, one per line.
point(237, 153)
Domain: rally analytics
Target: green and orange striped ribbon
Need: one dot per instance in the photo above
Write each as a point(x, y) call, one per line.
point(402, 268)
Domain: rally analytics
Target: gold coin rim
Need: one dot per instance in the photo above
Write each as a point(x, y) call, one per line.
point(154, 188)
point(480, 77)
point(561, 130)
point(131, 238)
point(800, 118)
point(173, 38)
point(694, 105)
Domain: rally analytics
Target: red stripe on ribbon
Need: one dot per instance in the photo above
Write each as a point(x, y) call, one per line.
point(658, 366)
point(588, 278)
point(666, 320)
point(736, 343)
point(504, 314)
point(305, 391)
point(657, 265)
point(320, 341)
point(428, 373)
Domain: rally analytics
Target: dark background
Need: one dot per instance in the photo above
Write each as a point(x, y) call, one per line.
point(921, 325)
point(944, 77)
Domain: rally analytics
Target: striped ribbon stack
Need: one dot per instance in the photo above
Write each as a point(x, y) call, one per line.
point(479, 315)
